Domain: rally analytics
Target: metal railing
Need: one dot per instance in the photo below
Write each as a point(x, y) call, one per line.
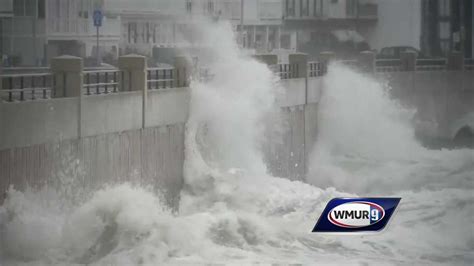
point(316, 69)
point(24, 87)
point(469, 64)
point(350, 63)
point(288, 71)
point(431, 64)
point(101, 81)
point(160, 78)
point(204, 74)
point(388, 65)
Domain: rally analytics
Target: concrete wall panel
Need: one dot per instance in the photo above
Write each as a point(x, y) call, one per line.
point(40, 121)
point(167, 106)
point(108, 113)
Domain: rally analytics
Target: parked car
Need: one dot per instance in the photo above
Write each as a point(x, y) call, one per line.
point(393, 52)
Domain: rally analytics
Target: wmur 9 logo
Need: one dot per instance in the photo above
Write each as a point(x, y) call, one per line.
point(346, 215)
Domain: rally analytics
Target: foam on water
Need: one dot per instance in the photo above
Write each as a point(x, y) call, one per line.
point(232, 211)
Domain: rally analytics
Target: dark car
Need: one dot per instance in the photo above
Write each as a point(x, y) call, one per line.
point(393, 52)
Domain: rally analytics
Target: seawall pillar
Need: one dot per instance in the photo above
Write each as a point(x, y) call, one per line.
point(182, 71)
point(366, 61)
point(134, 78)
point(408, 61)
point(133, 69)
point(455, 61)
point(67, 72)
point(299, 65)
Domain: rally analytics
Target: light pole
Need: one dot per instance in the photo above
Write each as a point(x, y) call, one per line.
point(242, 22)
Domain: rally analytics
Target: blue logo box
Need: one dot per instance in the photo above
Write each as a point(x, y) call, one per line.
point(349, 215)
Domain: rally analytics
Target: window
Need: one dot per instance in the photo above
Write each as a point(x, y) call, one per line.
point(290, 8)
point(304, 8)
point(388, 52)
point(22, 8)
point(147, 32)
point(19, 7)
point(444, 8)
point(317, 8)
point(351, 7)
point(210, 6)
point(41, 9)
point(83, 9)
point(189, 6)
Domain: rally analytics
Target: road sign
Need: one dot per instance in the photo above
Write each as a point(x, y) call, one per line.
point(98, 16)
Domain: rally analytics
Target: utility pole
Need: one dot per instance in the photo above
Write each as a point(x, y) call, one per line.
point(97, 17)
point(34, 20)
point(242, 22)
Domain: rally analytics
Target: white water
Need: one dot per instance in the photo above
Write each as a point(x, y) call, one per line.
point(231, 211)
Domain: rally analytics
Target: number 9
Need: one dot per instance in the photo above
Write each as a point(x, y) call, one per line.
point(374, 214)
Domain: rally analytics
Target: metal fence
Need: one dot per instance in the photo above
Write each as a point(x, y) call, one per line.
point(160, 78)
point(101, 81)
point(388, 65)
point(316, 69)
point(23, 87)
point(431, 64)
point(288, 71)
point(469, 64)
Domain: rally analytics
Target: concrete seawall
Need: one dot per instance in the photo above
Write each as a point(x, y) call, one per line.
point(441, 98)
point(89, 141)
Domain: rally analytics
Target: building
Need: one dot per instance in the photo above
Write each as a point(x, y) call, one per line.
point(447, 26)
point(313, 26)
point(32, 31)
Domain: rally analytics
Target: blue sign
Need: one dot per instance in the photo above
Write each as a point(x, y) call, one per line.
point(98, 16)
point(348, 215)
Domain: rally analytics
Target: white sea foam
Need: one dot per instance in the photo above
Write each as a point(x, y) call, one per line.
point(232, 211)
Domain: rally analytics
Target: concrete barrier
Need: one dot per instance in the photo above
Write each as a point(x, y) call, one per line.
point(67, 71)
point(366, 61)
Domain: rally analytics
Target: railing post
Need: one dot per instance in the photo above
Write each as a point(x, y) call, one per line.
point(67, 75)
point(366, 61)
point(1, 72)
point(455, 61)
point(182, 71)
point(134, 77)
point(133, 70)
point(408, 61)
point(268, 59)
point(326, 58)
point(299, 60)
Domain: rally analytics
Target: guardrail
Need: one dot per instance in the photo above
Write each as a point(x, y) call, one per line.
point(316, 69)
point(469, 64)
point(160, 78)
point(33, 86)
point(288, 71)
point(431, 64)
point(388, 65)
point(22, 87)
point(102, 81)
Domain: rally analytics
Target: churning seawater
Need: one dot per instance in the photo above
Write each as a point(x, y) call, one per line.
point(232, 211)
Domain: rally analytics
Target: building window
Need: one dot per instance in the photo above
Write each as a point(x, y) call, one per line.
point(189, 6)
point(317, 8)
point(41, 9)
point(351, 7)
point(290, 8)
point(444, 8)
point(304, 8)
point(19, 8)
point(210, 7)
point(148, 36)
